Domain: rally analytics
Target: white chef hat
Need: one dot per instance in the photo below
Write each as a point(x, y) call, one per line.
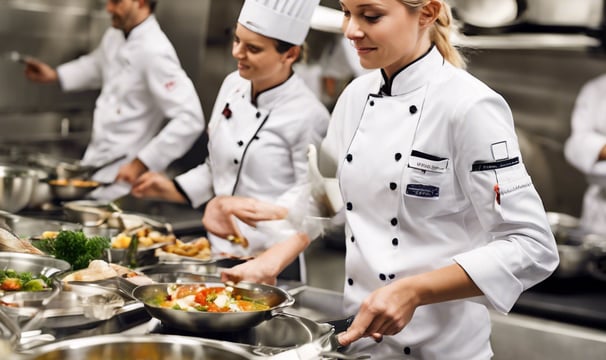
point(286, 20)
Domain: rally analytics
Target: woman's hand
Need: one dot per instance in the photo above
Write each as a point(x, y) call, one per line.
point(131, 171)
point(255, 270)
point(39, 72)
point(220, 212)
point(384, 312)
point(156, 185)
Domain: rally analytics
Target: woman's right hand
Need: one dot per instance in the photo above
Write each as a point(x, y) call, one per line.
point(39, 72)
point(256, 271)
point(156, 185)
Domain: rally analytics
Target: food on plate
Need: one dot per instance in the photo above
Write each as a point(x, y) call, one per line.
point(101, 270)
point(199, 297)
point(145, 235)
point(75, 247)
point(11, 243)
point(74, 182)
point(11, 280)
point(198, 249)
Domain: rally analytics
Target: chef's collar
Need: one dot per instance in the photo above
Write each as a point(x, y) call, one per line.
point(141, 28)
point(267, 96)
point(413, 75)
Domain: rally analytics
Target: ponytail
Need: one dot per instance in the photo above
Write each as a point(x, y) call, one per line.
point(440, 32)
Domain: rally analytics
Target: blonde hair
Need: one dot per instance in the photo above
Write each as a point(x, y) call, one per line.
point(440, 31)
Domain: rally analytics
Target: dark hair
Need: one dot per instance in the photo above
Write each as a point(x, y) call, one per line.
point(152, 4)
point(283, 46)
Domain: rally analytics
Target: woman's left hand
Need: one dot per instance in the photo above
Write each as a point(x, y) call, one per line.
point(386, 311)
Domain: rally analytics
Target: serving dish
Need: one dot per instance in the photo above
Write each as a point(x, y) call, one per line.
point(204, 322)
point(36, 264)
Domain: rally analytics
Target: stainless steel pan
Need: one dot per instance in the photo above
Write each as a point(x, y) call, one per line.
point(201, 322)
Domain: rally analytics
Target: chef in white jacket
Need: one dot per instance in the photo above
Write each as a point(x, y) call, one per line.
point(142, 84)
point(442, 219)
point(585, 149)
point(262, 122)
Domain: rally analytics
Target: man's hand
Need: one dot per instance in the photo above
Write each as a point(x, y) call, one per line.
point(39, 72)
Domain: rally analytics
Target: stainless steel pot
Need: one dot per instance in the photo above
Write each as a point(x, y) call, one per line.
point(200, 322)
point(17, 184)
point(140, 347)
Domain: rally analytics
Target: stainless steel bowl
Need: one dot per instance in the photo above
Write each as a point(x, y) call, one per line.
point(205, 322)
point(140, 347)
point(66, 190)
point(17, 184)
point(36, 264)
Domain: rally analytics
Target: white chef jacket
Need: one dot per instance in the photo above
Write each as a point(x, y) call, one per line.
point(583, 147)
point(258, 151)
point(142, 85)
point(418, 160)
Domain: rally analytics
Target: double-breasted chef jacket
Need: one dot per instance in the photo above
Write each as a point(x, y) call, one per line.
point(142, 85)
point(258, 150)
point(431, 174)
point(583, 148)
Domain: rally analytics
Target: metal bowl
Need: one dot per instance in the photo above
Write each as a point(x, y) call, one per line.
point(140, 347)
point(17, 184)
point(205, 322)
point(36, 264)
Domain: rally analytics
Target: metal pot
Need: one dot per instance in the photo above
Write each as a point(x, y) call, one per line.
point(197, 322)
point(140, 347)
point(17, 184)
point(71, 189)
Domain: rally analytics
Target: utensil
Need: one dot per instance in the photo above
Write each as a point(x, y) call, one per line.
point(15, 56)
point(198, 322)
point(17, 184)
point(141, 347)
point(66, 170)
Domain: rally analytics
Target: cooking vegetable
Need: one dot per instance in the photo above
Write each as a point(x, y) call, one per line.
point(76, 248)
point(11, 280)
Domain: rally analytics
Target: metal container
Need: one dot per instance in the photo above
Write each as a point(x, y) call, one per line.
point(66, 190)
point(17, 184)
point(36, 264)
point(200, 322)
point(140, 347)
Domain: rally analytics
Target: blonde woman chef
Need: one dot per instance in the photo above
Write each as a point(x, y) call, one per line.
point(442, 219)
point(263, 120)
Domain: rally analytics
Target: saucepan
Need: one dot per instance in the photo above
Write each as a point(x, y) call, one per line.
point(204, 322)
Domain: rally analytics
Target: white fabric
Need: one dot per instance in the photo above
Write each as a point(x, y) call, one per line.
point(583, 147)
point(290, 117)
point(142, 85)
point(286, 20)
point(505, 247)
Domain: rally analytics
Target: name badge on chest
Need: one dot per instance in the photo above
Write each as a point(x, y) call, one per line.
point(427, 162)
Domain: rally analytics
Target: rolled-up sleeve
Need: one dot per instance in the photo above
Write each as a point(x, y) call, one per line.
point(522, 250)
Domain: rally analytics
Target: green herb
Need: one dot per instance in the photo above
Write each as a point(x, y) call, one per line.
point(77, 249)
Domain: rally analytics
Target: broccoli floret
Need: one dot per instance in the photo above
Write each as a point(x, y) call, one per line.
point(78, 250)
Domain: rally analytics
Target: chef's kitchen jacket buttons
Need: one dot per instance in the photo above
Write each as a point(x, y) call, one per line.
point(413, 109)
point(258, 115)
point(349, 206)
point(393, 185)
point(353, 239)
point(371, 103)
point(236, 161)
point(391, 276)
point(398, 156)
point(382, 277)
point(349, 157)
point(256, 138)
point(394, 221)
point(240, 143)
point(407, 350)
point(395, 241)
point(350, 281)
